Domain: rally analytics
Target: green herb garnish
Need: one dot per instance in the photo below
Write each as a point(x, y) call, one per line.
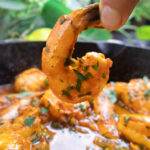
point(88, 75)
point(35, 102)
point(126, 120)
point(103, 75)
point(24, 94)
point(29, 121)
point(81, 107)
point(96, 66)
point(78, 85)
point(67, 91)
point(112, 96)
point(147, 93)
point(81, 78)
point(46, 82)
point(43, 110)
point(19, 95)
point(56, 125)
point(85, 68)
point(35, 138)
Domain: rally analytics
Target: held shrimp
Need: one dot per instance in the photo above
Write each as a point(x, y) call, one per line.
point(74, 80)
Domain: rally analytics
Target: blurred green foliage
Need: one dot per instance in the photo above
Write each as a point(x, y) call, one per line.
point(143, 33)
point(18, 18)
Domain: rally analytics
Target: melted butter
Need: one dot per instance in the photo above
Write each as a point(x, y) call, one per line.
point(67, 139)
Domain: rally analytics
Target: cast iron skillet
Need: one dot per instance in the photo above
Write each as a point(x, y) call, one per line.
point(128, 62)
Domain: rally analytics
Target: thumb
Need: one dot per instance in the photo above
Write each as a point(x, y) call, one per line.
point(114, 13)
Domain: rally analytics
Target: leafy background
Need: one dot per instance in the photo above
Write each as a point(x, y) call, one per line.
point(19, 18)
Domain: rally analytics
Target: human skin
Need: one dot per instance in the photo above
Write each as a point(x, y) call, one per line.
point(114, 13)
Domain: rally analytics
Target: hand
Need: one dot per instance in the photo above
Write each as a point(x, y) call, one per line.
point(114, 13)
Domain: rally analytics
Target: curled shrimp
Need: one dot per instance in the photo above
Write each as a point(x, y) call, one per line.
point(74, 80)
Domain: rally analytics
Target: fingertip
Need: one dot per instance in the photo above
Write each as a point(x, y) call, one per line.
point(110, 18)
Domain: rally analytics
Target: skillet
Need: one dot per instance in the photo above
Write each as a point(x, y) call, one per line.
point(128, 62)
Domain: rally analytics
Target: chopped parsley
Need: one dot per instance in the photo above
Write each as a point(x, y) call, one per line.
point(67, 91)
point(96, 66)
point(46, 82)
point(29, 121)
point(126, 120)
point(19, 95)
point(88, 75)
point(81, 107)
point(103, 75)
point(56, 125)
point(85, 68)
point(35, 102)
point(35, 138)
point(112, 96)
point(43, 110)
point(147, 93)
point(24, 94)
point(78, 85)
point(81, 78)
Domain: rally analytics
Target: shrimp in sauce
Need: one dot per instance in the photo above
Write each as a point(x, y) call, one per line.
point(74, 108)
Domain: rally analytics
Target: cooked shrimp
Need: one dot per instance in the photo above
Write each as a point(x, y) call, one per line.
point(11, 104)
point(31, 80)
point(74, 80)
point(23, 130)
point(60, 110)
point(135, 95)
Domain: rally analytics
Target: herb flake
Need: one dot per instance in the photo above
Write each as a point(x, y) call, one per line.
point(96, 66)
point(78, 85)
point(56, 125)
point(112, 96)
point(67, 91)
point(35, 102)
point(103, 75)
point(81, 107)
point(81, 78)
point(85, 68)
point(126, 120)
point(88, 75)
point(147, 93)
point(29, 121)
point(43, 110)
point(46, 82)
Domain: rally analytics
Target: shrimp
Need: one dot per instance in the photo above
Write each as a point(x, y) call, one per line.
point(74, 80)
point(31, 80)
point(135, 95)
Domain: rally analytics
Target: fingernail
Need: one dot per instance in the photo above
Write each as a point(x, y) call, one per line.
point(111, 19)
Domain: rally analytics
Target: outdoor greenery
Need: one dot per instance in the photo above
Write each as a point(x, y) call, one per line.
point(18, 18)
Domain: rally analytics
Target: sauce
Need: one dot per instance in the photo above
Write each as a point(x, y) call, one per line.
point(93, 132)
